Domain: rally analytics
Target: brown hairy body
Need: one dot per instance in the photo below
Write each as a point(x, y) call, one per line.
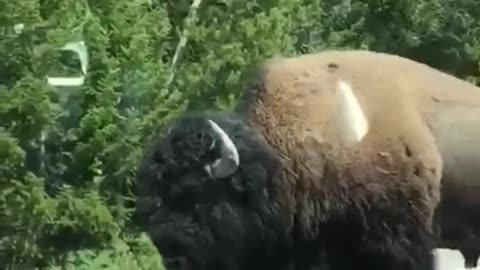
point(291, 110)
point(423, 124)
point(291, 180)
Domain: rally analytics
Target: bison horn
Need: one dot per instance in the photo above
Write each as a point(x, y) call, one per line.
point(353, 124)
point(229, 159)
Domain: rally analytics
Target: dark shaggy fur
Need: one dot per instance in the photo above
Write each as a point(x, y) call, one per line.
point(221, 224)
point(200, 223)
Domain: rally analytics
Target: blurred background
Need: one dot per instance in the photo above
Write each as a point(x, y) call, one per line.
point(83, 83)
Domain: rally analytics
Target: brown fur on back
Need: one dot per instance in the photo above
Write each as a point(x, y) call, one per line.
point(397, 161)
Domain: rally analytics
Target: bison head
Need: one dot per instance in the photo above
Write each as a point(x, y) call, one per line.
point(203, 195)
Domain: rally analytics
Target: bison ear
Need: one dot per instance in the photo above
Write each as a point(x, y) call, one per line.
point(350, 118)
point(229, 160)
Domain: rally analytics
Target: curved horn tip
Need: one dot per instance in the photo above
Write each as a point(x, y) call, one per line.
point(228, 163)
point(353, 121)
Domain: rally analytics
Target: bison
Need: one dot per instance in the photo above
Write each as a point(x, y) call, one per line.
point(344, 153)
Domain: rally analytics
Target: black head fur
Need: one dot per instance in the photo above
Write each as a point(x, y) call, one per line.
point(212, 224)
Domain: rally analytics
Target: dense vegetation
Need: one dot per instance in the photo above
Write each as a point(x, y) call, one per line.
point(68, 154)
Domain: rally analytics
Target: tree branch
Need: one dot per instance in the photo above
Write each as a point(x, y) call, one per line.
point(191, 17)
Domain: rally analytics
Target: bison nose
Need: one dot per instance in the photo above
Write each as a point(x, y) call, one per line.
point(176, 263)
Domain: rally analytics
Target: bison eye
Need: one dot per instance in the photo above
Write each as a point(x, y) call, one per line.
point(198, 139)
point(157, 157)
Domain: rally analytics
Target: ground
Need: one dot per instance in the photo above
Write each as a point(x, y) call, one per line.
point(449, 259)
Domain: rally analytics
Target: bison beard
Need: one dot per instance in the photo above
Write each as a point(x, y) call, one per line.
point(236, 222)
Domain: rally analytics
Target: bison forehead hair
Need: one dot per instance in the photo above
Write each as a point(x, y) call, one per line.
point(189, 206)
